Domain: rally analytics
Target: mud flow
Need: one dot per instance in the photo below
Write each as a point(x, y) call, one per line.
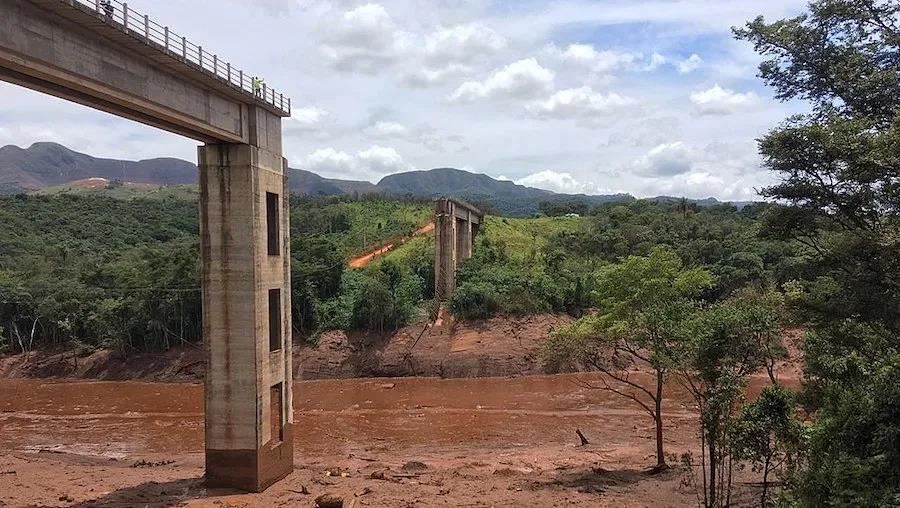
point(473, 442)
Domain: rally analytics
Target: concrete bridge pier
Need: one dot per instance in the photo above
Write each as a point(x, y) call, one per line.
point(244, 226)
point(456, 224)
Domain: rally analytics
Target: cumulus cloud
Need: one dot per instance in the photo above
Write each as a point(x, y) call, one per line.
point(690, 64)
point(561, 182)
point(364, 39)
point(305, 119)
point(722, 101)
point(586, 55)
point(668, 159)
point(522, 79)
point(723, 170)
point(369, 164)
point(579, 103)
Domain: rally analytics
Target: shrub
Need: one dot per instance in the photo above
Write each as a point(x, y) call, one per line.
point(473, 300)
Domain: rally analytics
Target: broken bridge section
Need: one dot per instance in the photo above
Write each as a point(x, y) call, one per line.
point(456, 223)
point(108, 56)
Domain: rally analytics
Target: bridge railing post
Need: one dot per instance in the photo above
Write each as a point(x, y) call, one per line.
point(166, 30)
point(125, 15)
point(97, 6)
point(200, 58)
point(147, 27)
point(215, 65)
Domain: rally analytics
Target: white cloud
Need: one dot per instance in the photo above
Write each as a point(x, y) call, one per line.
point(579, 103)
point(722, 101)
point(553, 181)
point(723, 170)
point(585, 55)
point(690, 64)
point(305, 119)
point(461, 44)
point(382, 160)
point(386, 130)
point(656, 60)
point(521, 79)
point(668, 159)
point(364, 39)
point(369, 164)
point(426, 76)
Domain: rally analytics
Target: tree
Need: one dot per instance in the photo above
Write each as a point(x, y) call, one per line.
point(769, 435)
point(720, 349)
point(643, 302)
point(840, 179)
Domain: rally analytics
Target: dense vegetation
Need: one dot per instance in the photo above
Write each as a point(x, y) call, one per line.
point(88, 270)
point(826, 258)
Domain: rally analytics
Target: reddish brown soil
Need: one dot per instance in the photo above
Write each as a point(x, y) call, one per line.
point(483, 442)
point(366, 258)
point(499, 346)
point(495, 347)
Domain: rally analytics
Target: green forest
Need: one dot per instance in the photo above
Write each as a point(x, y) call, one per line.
point(698, 295)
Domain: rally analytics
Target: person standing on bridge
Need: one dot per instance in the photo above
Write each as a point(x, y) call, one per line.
point(257, 86)
point(107, 8)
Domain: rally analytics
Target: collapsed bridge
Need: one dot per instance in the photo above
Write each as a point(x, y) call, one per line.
point(456, 223)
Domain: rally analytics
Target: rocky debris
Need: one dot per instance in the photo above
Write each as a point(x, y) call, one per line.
point(146, 463)
point(414, 466)
point(329, 500)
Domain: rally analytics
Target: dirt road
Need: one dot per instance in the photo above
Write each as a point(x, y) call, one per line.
point(364, 259)
point(480, 442)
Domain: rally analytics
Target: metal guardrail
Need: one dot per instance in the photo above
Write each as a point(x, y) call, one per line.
point(131, 22)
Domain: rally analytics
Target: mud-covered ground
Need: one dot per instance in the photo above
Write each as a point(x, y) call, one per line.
point(375, 442)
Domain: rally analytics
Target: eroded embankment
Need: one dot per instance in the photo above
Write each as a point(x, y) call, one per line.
point(500, 346)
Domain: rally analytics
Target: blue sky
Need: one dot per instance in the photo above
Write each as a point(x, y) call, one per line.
point(641, 96)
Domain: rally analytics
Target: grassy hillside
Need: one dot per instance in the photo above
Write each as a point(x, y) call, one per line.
point(124, 191)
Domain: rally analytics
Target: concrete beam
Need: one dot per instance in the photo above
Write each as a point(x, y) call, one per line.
point(58, 48)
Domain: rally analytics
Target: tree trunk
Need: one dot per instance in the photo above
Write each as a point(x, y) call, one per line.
point(660, 456)
point(765, 482)
point(713, 464)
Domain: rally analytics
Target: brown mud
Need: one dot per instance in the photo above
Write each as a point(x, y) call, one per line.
point(404, 442)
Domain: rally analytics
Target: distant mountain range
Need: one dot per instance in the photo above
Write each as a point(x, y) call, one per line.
point(44, 165)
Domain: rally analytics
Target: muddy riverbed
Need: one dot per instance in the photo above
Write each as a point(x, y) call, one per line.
point(483, 442)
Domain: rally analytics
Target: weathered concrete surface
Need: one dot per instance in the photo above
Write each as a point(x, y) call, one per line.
point(237, 274)
point(455, 225)
point(53, 47)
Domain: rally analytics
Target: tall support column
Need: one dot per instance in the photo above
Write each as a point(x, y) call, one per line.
point(245, 249)
point(467, 232)
point(443, 249)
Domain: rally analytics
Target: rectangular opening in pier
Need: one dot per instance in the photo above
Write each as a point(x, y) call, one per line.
point(273, 230)
point(274, 319)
